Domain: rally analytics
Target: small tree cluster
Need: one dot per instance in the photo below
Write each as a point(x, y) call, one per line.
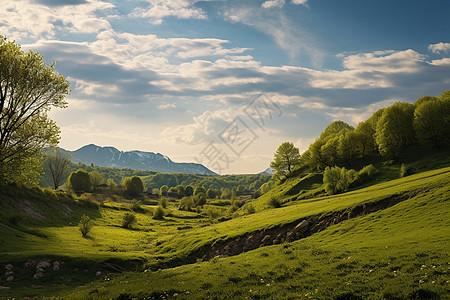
point(133, 185)
point(338, 180)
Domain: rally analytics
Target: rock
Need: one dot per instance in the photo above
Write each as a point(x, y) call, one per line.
point(56, 266)
point(43, 264)
point(38, 275)
point(10, 278)
point(98, 273)
point(8, 273)
point(2, 288)
point(301, 227)
point(9, 267)
point(267, 240)
point(40, 270)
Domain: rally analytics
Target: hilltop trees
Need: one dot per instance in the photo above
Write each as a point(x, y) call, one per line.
point(28, 90)
point(286, 159)
point(133, 185)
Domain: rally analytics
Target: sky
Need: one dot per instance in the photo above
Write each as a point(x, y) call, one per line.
point(224, 83)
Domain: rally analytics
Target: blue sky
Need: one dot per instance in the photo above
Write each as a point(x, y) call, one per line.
point(179, 76)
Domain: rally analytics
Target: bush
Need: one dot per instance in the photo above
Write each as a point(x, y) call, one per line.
point(136, 206)
point(163, 202)
point(338, 180)
point(133, 185)
point(200, 199)
point(213, 213)
point(128, 220)
point(85, 225)
point(249, 209)
point(274, 202)
point(366, 173)
point(406, 170)
point(158, 213)
point(79, 181)
point(186, 203)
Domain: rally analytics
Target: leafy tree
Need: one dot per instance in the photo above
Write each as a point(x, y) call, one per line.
point(186, 203)
point(200, 199)
point(189, 191)
point(133, 185)
point(28, 90)
point(181, 190)
point(111, 183)
point(432, 121)
point(163, 190)
point(199, 190)
point(364, 138)
point(211, 194)
point(334, 128)
point(395, 129)
point(96, 179)
point(85, 225)
point(163, 202)
point(286, 159)
point(338, 180)
point(59, 164)
point(226, 193)
point(80, 181)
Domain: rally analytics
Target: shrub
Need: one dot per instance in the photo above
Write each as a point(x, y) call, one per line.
point(213, 213)
point(249, 209)
point(366, 173)
point(85, 225)
point(200, 199)
point(163, 202)
point(79, 181)
point(158, 213)
point(128, 220)
point(274, 202)
point(186, 203)
point(406, 170)
point(133, 185)
point(136, 206)
point(338, 180)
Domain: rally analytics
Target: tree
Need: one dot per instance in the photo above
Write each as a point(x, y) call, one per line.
point(211, 194)
point(432, 121)
point(163, 190)
point(395, 129)
point(85, 225)
point(80, 181)
point(334, 128)
point(28, 90)
point(133, 185)
point(111, 183)
point(189, 191)
point(96, 179)
point(286, 159)
point(59, 164)
point(364, 138)
point(199, 190)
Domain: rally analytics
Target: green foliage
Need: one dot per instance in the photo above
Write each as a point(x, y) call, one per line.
point(58, 163)
point(395, 129)
point(274, 202)
point(189, 191)
point(200, 199)
point(249, 209)
point(164, 190)
point(226, 193)
point(158, 213)
point(286, 159)
point(163, 202)
point(338, 180)
point(80, 181)
point(406, 170)
point(213, 212)
point(85, 225)
point(335, 128)
point(136, 205)
point(432, 121)
point(186, 203)
point(128, 220)
point(211, 194)
point(199, 190)
point(133, 186)
point(96, 179)
point(111, 183)
point(29, 89)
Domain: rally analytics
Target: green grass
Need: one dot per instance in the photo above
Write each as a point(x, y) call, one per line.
point(413, 232)
point(397, 253)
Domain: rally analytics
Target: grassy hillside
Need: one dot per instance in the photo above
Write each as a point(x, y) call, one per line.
point(414, 231)
point(397, 253)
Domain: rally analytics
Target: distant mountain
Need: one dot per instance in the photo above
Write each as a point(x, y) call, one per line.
point(137, 160)
point(268, 171)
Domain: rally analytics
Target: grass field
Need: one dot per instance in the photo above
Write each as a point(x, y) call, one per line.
point(396, 253)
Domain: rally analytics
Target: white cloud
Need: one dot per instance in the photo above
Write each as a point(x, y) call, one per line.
point(273, 3)
point(439, 47)
point(300, 2)
point(160, 9)
point(167, 106)
point(23, 19)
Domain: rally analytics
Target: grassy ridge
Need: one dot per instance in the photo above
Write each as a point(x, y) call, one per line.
point(397, 253)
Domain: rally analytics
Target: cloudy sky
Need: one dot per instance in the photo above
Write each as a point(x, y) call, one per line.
point(225, 82)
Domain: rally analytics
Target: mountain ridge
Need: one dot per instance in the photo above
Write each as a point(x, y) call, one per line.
point(135, 159)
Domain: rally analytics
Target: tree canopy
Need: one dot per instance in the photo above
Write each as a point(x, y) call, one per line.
point(286, 159)
point(28, 90)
